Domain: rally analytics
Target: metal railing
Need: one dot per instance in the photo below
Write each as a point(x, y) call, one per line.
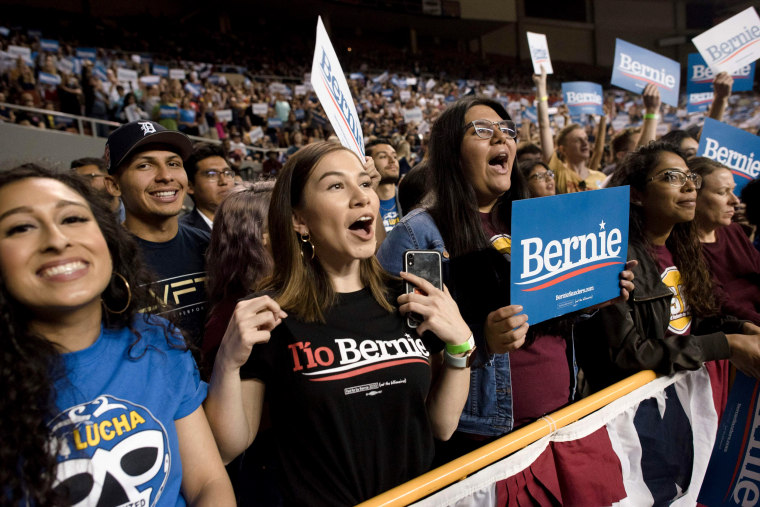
point(81, 121)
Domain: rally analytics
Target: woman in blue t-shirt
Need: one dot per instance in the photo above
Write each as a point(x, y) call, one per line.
point(355, 397)
point(101, 404)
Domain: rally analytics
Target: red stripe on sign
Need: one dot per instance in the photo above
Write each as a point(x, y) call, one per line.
point(739, 51)
point(571, 275)
point(341, 114)
point(741, 174)
point(634, 76)
point(368, 369)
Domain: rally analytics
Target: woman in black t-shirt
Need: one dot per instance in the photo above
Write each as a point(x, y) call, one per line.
point(353, 402)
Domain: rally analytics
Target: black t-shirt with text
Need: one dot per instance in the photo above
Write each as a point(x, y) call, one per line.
point(347, 401)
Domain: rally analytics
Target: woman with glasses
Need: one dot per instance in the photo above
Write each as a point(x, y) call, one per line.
point(672, 321)
point(470, 157)
point(733, 261)
point(539, 177)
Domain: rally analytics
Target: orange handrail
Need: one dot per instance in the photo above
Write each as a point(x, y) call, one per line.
point(460, 468)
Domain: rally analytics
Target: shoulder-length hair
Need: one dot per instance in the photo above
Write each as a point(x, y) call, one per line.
point(299, 283)
point(30, 364)
point(455, 210)
point(236, 258)
point(683, 241)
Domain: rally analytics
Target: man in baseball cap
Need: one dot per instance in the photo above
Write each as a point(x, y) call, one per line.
point(145, 164)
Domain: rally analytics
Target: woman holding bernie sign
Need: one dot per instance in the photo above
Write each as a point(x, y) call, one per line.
point(471, 154)
point(355, 398)
point(101, 403)
point(672, 321)
point(733, 261)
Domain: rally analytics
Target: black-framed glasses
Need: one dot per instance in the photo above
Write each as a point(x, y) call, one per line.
point(484, 128)
point(546, 175)
point(677, 178)
point(213, 174)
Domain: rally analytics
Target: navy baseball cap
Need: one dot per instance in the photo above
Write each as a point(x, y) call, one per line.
point(125, 140)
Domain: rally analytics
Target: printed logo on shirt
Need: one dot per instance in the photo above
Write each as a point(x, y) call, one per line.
point(110, 452)
point(390, 219)
point(680, 314)
point(502, 243)
point(350, 357)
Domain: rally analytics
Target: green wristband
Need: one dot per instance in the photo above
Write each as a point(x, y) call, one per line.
point(462, 347)
point(651, 116)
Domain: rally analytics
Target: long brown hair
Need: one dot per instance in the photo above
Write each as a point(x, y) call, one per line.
point(299, 283)
point(237, 258)
point(683, 241)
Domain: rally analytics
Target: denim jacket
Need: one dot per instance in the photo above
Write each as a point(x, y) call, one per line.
point(488, 410)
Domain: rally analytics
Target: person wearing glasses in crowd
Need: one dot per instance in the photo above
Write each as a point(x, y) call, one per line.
point(145, 164)
point(94, 171)
point(733, 260)
point(470, 157)
point(672, 321)
point(539, 177)
point(355, 396)
point(209, 179)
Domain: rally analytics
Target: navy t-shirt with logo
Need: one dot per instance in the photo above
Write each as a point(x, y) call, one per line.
point(180, 268)
point(347, 402)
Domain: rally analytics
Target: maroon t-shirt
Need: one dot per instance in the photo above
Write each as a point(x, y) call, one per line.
point(540, 372)
point(735, 267)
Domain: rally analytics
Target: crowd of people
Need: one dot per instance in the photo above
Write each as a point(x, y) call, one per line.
point(267, 328)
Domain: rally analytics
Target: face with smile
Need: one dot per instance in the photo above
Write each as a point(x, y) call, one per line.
point(487, 163)
point(53, 256)
point(209, 192)
point(151, 185)
point(663, 203)
point(539, 182)
point(716, 200)
point(338, 210)
point(385, 162)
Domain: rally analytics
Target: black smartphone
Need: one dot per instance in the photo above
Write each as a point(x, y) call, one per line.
point(425, 264)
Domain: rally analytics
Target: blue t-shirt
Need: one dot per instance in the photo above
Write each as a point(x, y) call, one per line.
point(115, 426)
point(389, 213)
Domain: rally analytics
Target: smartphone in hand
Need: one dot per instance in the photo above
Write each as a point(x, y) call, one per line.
point(425, 264)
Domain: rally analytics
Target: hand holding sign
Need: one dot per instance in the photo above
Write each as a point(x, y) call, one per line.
point(505, 330)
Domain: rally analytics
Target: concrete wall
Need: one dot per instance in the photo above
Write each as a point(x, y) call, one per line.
point(19, 145)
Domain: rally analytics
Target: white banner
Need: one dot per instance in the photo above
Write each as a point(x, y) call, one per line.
point(260, 109)
point(330, 85)
point(539, 52)
point(177, 73)
point(732, 44)
point(224, 115)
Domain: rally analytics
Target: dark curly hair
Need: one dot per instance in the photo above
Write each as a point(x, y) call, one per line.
point(683, 241)
point(30, 364)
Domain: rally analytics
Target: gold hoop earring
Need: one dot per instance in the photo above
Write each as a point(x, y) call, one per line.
point(129, 296)
point(306, 238)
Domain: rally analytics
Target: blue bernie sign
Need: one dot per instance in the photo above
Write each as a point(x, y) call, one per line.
point(571, 257)
point(636, 67)
point(161, 70)
point(733, 147)
point(700, 76)
point(49, 45)
point(86, 53)
point(583, 97)
point(731, 477)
